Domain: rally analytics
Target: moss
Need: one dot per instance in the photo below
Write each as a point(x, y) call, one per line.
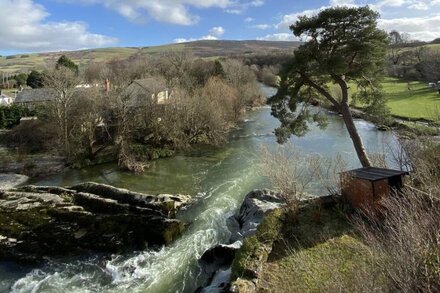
point(13, 223)
point(270, 228)
point(245, 256)
point(173, 231)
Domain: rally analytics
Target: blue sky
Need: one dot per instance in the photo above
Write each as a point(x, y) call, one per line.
point(53, 25)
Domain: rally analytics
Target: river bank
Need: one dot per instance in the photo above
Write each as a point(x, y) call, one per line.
point(218, 177)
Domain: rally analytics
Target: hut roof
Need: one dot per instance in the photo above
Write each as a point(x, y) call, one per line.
point(375, 174)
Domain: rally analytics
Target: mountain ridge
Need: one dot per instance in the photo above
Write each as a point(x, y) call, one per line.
point(201, 48)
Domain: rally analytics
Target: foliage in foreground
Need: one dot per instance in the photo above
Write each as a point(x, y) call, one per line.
point(324, 250)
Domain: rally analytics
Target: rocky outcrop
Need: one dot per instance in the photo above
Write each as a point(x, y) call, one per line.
point(40, 221)
point(216, 262)
point(10, 180)
point(256, 205)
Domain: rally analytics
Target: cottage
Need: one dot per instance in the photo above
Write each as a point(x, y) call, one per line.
point(151, 87)
point(365, 187)
point(5, 100)
point(35, 96)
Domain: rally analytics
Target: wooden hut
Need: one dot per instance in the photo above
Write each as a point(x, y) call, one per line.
point(365, 187)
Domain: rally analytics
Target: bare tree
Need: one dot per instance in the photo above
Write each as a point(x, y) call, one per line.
point(63, 82)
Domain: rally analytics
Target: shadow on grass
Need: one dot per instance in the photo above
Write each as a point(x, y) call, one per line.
point(314, 225)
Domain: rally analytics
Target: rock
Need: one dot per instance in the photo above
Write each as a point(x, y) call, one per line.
point(40, 221)
point(10, 180)
point(256, 205)
point(218, 256)
point(216, 261)
point(166, 202)
point(382, 128)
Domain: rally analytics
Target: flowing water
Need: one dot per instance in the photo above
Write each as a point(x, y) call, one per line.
point(219, 177)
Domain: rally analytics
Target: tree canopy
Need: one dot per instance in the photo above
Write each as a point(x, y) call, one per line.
point(67, 63)
point(35, 79)
point(343, 46)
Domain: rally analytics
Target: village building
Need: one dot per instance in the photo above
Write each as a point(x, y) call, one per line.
point(150, 87)
point(32, 97)
point(6, 100)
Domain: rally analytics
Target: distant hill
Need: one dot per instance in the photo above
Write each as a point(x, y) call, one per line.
point(208, 48)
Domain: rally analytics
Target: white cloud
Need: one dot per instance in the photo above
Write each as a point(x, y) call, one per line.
point(342, 2)
point(214, 34)
point(170, 11)
point(249, 19)
point(262, 26)
point(419, 28)
point(238, 8)
point(289, 19)
point(23, 27)
point(217, 31)
point(278, 37)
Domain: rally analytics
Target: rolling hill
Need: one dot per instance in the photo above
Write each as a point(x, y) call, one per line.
point(205, 49)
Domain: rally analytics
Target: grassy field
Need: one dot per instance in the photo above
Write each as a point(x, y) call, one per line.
point(419, 102)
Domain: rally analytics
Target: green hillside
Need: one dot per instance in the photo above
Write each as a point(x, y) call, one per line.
point(26, 62)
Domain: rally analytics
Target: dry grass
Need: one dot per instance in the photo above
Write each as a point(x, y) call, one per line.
point(405, 242)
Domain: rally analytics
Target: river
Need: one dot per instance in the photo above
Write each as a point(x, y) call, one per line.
point(219, 177)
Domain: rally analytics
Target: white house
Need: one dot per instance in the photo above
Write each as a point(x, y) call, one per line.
point(6, 100)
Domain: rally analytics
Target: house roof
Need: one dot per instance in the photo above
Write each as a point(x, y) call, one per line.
point(375, 174)
point(149, 84)
point(35, 95)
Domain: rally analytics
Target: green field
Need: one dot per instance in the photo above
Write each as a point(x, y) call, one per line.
point(419, 102)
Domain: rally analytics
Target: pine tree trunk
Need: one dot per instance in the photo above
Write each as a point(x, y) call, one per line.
point(354, 135)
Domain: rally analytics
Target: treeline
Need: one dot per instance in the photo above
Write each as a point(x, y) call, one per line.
point(117, 107)
point(412, 60)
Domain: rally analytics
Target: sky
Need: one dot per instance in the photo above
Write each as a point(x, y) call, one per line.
point(55, 25)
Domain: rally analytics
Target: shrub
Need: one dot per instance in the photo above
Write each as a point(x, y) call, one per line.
point(405, 242)
point(32, 137)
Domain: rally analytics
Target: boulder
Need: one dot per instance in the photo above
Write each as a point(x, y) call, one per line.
point(216, 262)
point(256, 205)
point(40, 221)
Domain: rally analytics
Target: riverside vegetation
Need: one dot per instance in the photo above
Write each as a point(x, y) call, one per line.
point(88, 125)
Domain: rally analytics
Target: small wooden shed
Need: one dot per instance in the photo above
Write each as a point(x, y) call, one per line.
point(364, 187)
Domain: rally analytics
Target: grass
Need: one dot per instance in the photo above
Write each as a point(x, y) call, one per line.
point(331, 266)
point(420, 102)
point(317, 253)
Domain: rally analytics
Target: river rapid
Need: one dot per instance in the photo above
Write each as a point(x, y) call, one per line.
point(218, 177)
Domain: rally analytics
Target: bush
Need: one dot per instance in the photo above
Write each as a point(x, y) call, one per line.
point(32, 137)
point(10, 115)
point(405, 242)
